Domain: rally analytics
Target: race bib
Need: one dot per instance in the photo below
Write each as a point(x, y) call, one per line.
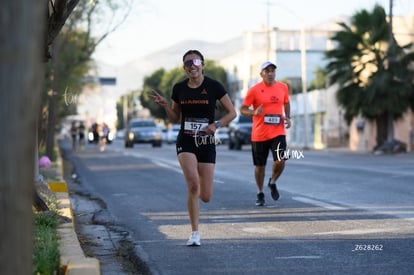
point(195, 126)
point(272, 119)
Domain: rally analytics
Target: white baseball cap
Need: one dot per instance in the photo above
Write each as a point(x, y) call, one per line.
point(267, 64)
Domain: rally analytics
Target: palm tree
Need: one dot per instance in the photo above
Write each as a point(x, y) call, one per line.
point(375, 79)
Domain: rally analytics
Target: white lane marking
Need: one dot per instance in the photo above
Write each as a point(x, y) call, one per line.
point(298, 257)
point(169, 165)
point(358, 231)
point(172, 165)
point(319, 203)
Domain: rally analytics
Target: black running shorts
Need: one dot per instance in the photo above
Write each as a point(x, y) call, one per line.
point(204, 147)
point(260, 150)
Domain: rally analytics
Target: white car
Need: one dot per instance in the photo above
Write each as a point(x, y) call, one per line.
point(170, 134)
point(120, 134)
point(222, 135)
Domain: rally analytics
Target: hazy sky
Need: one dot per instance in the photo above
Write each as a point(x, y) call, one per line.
point(157, 24)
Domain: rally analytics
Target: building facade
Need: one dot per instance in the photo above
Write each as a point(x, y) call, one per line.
point(317, 119)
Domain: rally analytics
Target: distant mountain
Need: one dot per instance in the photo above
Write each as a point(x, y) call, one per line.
point(172, 56)
point(130, 76)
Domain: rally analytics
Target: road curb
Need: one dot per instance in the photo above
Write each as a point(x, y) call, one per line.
point(72, 258)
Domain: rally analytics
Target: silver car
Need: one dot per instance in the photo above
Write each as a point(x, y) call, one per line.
point(172, 133)
point(143, 131)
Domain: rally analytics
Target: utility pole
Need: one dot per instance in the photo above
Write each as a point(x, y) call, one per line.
point(125, 111)
point(267, 29)
point(304, 85)
point(303, 63)
point(390, 119)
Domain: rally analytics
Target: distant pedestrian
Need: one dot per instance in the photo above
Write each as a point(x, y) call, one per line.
point(268, 103)
point(104, 136)
point(81, 131)
point(194, 101)
point(95, 133)
point(73, 134)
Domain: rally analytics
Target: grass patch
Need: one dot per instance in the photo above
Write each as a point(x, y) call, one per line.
point(46, 241)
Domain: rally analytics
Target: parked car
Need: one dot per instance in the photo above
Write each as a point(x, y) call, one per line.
point(143, 131)
point(240, 131)
point(222, 135)
point(120, 134)
point(170, 134)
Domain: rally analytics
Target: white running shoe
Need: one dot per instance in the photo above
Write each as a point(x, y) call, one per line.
point(194, 239)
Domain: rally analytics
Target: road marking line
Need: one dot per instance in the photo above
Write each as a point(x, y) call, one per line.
point(358, 231)
point(167, 165)
point(319, 203)
point(298, 257)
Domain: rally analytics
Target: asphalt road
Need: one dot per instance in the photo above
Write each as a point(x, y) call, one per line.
point(339, 213)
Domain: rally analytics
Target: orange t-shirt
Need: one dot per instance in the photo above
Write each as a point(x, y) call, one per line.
point(270, 123)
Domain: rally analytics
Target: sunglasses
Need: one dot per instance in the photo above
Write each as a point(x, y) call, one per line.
point(191, 62)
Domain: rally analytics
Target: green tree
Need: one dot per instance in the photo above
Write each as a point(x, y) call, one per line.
point(320, 80)
point(124, 107)
point(64, 79)
point(369, 84)
point(97, 20)
point(24, 48)
point(212, 70)
point(153, 82)
point(71, 55)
